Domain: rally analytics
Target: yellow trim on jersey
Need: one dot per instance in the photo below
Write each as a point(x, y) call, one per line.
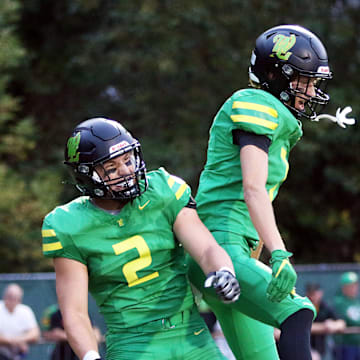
point(48, 233)
point(283, 154)
point(254, 120)
point(271, 192)
point(183, 186)
point(251, 106)
point(53, 246)
point(171, 182)
point(180, 191)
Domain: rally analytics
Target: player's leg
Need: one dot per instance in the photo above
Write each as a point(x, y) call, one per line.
point(184, 336)
point(293, 315)
point(248, 339)
point(194, 341)
point(254, 278)
point(296, 326)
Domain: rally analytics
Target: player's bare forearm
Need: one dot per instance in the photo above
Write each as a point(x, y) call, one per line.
point(263, 218)
point(214, 258)
point(199, 242)
point(80, 334)
point(254, 166)
point(72, 293)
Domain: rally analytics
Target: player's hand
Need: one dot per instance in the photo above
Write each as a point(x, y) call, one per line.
point(225, 284)
point(283, 276)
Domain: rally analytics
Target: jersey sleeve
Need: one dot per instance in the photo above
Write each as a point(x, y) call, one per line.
point(179, 194)
point(56, 241)
point(254, 114)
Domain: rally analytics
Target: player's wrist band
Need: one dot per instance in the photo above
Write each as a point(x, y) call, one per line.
point(92, 355)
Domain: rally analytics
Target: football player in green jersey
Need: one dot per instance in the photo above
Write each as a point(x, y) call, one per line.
point(247, 160)
point(124, 241)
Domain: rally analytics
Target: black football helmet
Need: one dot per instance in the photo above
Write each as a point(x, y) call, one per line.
point(92, 143)
point(284, 53)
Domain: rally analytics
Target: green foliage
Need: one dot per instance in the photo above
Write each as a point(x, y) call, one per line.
point(23, 200)
point(163, 68)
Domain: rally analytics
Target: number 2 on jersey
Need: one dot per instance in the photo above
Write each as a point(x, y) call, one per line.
point(144, 260)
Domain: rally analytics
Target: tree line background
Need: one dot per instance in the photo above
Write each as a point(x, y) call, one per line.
point(163, 68)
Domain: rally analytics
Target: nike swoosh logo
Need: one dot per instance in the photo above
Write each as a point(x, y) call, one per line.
point(142, 206)
point(198, 332)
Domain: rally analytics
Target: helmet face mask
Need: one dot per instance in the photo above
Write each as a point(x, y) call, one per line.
point(286, 57)
point(309, 92)
point(94, 152)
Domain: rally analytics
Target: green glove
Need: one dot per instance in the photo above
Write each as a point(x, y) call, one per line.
point(283, 276)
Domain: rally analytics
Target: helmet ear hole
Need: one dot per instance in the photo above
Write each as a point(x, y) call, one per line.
point(284, 96)
point(83, 169)
point(287, 70)
point(99, 192)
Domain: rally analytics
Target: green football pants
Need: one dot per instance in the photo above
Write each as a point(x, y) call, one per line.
point(248, 323)
point(183, 336)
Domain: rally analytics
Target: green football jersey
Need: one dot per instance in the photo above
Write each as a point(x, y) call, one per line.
point(347, 309)
point(220, 196)
point(136, 267)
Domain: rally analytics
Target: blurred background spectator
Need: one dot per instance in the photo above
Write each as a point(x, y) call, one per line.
point(347, 306)
point(18, 325)
point(325, 323)
point(53, 331)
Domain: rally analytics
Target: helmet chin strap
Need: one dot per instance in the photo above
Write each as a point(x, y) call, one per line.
point(339, 118)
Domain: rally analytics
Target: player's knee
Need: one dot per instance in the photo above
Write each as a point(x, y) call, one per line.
point(295, 336)
point(298, 321)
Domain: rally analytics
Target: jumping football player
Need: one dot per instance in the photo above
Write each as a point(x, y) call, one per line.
point(247, 161)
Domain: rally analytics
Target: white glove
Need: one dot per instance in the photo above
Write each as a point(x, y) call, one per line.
point(225, 284)
point(340, 117)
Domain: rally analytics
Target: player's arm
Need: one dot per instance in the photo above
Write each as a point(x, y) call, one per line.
point(212, 258)
point(254, 166)
point(72, 292)
point(199, 243)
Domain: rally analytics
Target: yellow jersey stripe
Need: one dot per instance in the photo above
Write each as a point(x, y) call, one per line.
point(251, 106)
point(53, 246)
point(271, 192)
point(283, 158)
point(48, 233)
point(180, 191)
point(171, 182)
point(254, 120)
point(283, 153)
